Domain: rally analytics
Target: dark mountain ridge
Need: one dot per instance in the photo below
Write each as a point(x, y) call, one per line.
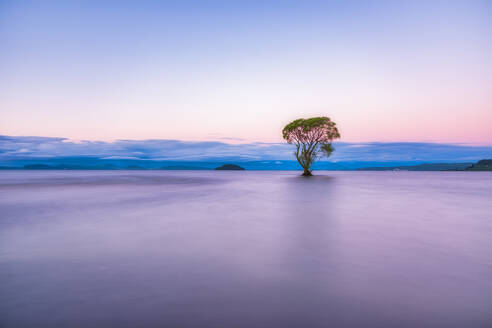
point(483, 165)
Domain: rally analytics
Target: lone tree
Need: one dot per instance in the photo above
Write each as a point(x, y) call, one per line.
point(312, 138)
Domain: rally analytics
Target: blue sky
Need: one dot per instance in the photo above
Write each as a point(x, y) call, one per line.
point(18, 148)
point(385, 71)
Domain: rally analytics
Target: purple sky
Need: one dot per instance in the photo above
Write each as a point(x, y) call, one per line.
point(388, 71)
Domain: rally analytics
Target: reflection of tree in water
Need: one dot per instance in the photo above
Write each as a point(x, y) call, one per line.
point(309, 219)
point(310, 253)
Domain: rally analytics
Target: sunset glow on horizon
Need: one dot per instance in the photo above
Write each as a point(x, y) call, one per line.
point(239, 71)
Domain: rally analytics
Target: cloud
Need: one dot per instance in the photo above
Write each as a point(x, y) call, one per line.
point(410, 151)
point(12, 148)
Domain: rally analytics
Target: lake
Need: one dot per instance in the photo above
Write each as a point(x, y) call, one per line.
point(245, 249)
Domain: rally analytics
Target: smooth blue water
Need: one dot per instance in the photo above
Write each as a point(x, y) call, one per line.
point(245, 249)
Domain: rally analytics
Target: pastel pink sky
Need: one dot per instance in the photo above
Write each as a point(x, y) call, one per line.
point(389, 71)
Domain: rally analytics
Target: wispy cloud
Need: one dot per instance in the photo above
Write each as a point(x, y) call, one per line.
point(12, 148)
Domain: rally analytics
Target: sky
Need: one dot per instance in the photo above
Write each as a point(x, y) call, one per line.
point(238, 71)
point(15, 150)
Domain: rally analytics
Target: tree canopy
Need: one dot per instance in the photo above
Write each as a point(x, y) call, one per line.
point(312, 137)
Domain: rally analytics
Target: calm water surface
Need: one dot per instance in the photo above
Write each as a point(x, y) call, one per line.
point(245, 249)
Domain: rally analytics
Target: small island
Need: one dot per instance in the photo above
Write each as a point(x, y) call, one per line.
point(233, 167)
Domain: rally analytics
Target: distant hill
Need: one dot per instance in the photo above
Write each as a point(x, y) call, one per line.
point(483, 165)
point(39, 167)
point(230, 167)
point(422, 167)
point(8, 168)
point(68, 167)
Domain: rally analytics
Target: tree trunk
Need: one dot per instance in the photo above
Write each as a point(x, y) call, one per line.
point(305, 161)
point(307, 173)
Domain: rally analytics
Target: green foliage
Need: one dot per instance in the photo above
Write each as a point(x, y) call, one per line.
point(312, 137)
